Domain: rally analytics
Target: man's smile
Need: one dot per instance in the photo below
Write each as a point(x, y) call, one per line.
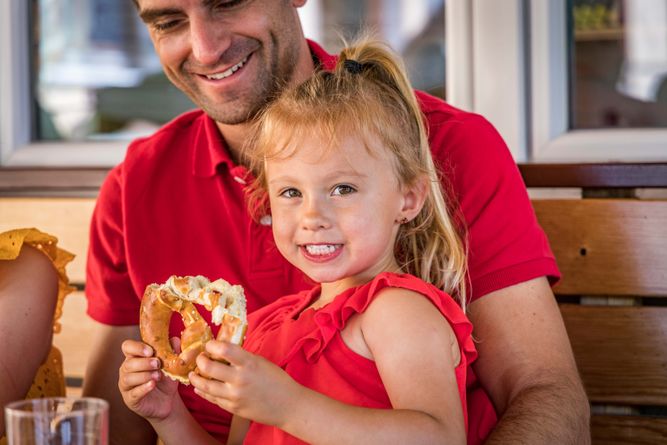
point(228, 72)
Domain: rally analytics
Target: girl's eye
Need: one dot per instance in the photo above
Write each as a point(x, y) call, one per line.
point(343, 189)
point(290, 193)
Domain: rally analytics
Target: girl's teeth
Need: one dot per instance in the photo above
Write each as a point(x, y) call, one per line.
point(320, 249)
point(228, 72)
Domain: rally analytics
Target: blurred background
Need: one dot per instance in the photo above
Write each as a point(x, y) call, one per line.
point(561, 80)
point(97, 77)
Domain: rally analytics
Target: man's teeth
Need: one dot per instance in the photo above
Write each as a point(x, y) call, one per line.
point(320, 249)
point(227, 73)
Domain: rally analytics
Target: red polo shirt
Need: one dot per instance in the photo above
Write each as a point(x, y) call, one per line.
point(176, 205)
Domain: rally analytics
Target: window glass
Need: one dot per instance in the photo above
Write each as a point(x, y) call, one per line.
point(619, 64)
point(96, 76)
point(414, 28)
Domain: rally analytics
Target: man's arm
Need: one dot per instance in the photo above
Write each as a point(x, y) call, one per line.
point(101, 380)
point(527, 367)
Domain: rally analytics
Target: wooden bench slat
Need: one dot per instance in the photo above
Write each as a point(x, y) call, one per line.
point(66, 218)
point(75, 339)
point(607, 247)
point(620, 351)
point(628, 430)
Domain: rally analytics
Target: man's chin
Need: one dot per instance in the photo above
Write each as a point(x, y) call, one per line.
point(229, 118)
point(232, 113)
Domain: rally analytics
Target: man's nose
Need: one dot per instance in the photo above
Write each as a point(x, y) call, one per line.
point(208, 39)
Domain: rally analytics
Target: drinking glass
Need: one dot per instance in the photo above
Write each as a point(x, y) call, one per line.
point(58, 421)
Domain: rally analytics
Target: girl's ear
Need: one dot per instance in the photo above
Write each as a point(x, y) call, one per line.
point(413, 199)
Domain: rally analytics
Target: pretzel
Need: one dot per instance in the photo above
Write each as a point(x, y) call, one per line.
point(225, 302)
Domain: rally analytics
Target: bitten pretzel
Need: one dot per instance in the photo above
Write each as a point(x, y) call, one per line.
point(225, 302)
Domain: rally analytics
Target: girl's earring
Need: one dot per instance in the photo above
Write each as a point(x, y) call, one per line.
point(403, 220)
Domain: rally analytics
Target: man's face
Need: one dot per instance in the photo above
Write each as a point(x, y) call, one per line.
point(228, 56)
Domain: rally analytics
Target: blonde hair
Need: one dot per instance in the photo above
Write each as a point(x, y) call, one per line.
point(368, 94)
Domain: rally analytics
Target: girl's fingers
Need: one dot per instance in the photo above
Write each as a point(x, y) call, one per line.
point(140, 364)
point(214, 369)
point(215, 400)
point(225, 351)
point(133, 348)
point(212, 387)
point(175, 344)
point(130, 382)
point(140, 391)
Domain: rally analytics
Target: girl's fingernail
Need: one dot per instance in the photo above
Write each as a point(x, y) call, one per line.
point(155, 364)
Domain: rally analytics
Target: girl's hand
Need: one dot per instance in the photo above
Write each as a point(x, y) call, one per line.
point(144, 388)
point(249, 386)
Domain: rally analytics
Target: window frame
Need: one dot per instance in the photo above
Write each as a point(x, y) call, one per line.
point(551, 138)
point(520, 83)
point(17, 149)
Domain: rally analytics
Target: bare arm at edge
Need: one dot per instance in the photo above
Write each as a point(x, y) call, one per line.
point(28, 294)
point(527, 366)
point(101, 380)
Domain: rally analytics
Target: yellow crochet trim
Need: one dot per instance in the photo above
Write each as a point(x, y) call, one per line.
point(10, 247)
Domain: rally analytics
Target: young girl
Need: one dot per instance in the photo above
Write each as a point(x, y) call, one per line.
point(379, 351)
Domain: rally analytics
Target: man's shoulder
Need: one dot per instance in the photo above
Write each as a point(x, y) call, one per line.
point(439, 112)
point(166, 147)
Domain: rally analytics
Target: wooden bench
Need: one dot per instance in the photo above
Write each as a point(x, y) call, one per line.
point(611, 247)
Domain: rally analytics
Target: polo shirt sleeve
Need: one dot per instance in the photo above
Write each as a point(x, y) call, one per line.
point(506, 245)
point(111, 297)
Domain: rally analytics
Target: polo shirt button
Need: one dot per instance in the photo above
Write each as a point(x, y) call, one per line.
point(239, 180)
point(265, 220)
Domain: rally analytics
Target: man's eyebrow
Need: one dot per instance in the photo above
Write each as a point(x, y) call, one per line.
point(148, 15)
point(209, 3)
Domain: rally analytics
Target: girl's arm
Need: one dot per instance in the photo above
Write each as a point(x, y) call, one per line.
point(415, 351)
point(181, 428)
point(238, 430)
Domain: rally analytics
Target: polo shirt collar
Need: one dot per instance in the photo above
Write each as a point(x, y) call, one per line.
point(326, 61)
point(209, 148)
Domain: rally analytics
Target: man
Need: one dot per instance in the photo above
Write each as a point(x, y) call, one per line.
point(176, 206)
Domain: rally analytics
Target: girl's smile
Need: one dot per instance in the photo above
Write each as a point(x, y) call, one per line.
point(321, 253)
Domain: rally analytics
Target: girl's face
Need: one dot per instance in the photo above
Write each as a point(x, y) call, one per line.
point(335, 213)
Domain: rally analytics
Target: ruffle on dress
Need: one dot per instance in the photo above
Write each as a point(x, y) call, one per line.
point(314, 337)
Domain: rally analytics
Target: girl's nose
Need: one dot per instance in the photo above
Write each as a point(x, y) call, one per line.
point(314, 216)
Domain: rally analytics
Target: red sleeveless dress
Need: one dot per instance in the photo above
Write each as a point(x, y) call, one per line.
point(308, 345)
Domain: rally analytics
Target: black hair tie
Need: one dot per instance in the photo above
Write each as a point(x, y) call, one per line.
point(354, 67)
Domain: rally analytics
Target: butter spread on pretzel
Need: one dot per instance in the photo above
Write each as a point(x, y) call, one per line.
point(226, 303)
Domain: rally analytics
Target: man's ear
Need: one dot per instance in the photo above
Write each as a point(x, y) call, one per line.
point(414, 197)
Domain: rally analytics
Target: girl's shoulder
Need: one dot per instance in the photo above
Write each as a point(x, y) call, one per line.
point(403, 289)
point(406, 299)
